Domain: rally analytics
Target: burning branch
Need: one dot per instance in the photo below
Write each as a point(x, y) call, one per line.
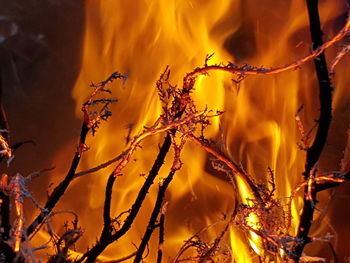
point(205, 252)
point(245, 70)
point(109, 235)
point(179, 113)
point(155, 129)
point(176, 103)
point(163, 185)
point(90, 122)
point(345, 50)
point(236, 169)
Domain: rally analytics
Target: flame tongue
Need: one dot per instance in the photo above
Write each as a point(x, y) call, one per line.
point(258, 128)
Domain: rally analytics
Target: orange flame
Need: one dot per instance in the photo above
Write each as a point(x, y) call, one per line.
point(258, 128)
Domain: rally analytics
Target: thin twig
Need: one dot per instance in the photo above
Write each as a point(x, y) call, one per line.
point(236, 169)
point(170, 123)
point(188, 243)
point(344, 51)
point(163, 186)
point(87, 125)
point(99, 167)
point(121, 259)
point(161, 232)
point(250, 70)
point(107, 237)
point(206, 256)
point(153, 219)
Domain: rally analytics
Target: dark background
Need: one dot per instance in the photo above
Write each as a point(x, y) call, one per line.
point(38, 68)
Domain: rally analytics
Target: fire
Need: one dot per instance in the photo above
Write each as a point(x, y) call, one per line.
point(258, 128)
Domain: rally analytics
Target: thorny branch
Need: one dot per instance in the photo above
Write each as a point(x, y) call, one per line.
point(109, 234)
point(345, 50)
point(205, 251)
point(90, 122)
point(176, 103)
point(163, 185)
point(245, 70)
point(236, 169)
point(178, 106)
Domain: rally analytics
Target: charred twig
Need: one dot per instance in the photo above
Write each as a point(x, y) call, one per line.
point(169, 121)
point(318, 49)
point(330, 183)
point(121, 259)
point(315, 150)
point(163, 185)
point(236, 169)
point(151, 131)
point(189, 243)
point(344, 51)
point(17, 145)
point(64, 242)
point(318, 183)
point(107, 237)
point(153, 219)
point(161, 232)
point(125, 156)
point(210, 252)
point(90, 122)
point(61, 188)
point(107, 229)
point(100, 166)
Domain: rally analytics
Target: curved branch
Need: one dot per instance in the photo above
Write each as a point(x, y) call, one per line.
point(249, 70)
point(236, 169)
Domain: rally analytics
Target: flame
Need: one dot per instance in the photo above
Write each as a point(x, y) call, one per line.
point(258, 128)
point(239, 249)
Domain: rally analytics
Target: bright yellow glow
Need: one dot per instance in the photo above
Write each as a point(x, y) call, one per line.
point(258, 128)
point(240, 251)
point(252, 220)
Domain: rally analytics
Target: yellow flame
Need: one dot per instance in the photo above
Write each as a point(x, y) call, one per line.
point(252, 220)
point(239, 249)
point(258, 128)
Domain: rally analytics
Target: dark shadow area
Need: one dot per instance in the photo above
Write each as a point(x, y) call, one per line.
point(40, 46)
